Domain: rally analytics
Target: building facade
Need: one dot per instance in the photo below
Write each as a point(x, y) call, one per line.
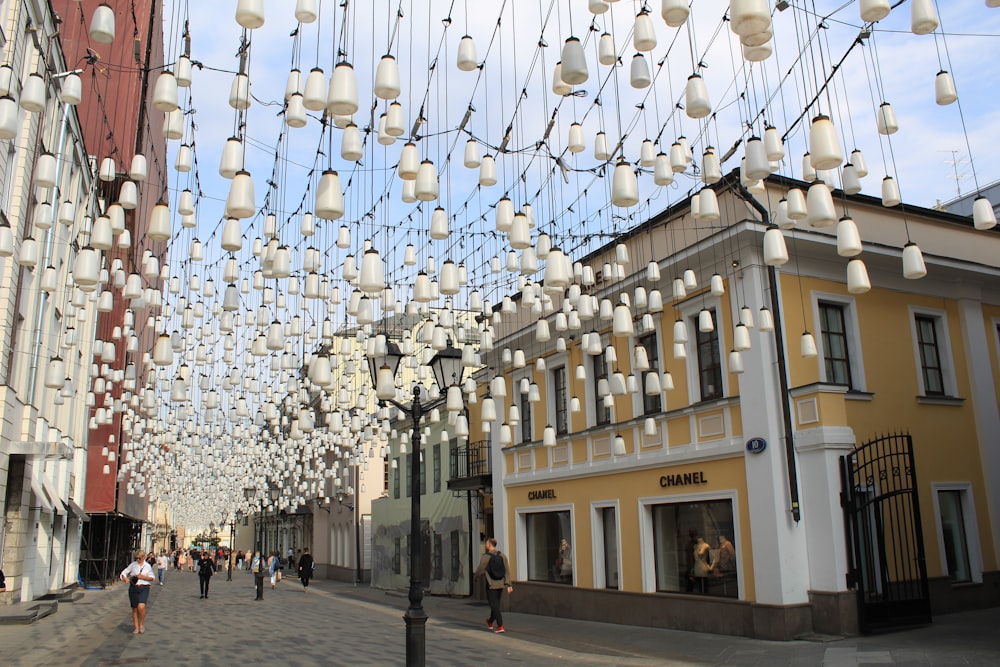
point(682, 462)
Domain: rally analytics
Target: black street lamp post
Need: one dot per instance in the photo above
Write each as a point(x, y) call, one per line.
point(232, 546)
point(250, 494)
point(447, 367)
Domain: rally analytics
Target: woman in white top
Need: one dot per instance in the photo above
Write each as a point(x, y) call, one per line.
point(139, 575)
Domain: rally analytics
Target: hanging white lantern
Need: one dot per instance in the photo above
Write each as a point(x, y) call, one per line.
point(232, 158)
point(86, 269)
point(32, 97)
point(409, 162)
point(606, 54)
point(945, 92)
point(329, 196)
point(624, 185)
point(873, 10)
point(890, 192)
point(848, 238)
point(696, 101)
point(674, 12)
point(250, 13)
point(232, 235)
point(295, 112)
point(387, 83)
point(102, 24)
point(241, 202)
point(857, 277)
point(913, 262)
point(466, 60)
point(850, 182)
point(886, 117)
point(574, 63)
point(821, 211)
point(796, 204)
point(756, 165)
point(923, 17)
point(315, 91)
point(71, 90)
point(128, 195)
point(807, 346)
point(749, 17)
point(708, 205)
point(239, 93)
point(306, 12)
point(351, 144)
point(343, 96)
point(426, 187)
point(824, 146)
point(165, 92)
point(598, 7)
point(372, 279)
point(639, 73)
point(471, 159)
point(394, 120)
point(775, 251)
point(137, 168)
point(735, 362)
point(774, 148)
point(488, 171)
point(711, 168)
point(9, 117)
point(663, 173)
point(439, 224)
point(983, 215)
point(159, 223)
point(622, 326)
point(643, 33)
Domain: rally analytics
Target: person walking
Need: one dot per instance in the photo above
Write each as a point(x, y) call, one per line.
point(306, 565)
point(162, 563)
point(206, 568)
point(495, 566)
point(274, 568)
point(139, 576)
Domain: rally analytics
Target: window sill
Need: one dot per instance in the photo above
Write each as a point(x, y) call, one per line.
point(940, 400)
point(853, 395)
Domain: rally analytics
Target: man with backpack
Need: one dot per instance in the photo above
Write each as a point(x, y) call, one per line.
point(496, 567)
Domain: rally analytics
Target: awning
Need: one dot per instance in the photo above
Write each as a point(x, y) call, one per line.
point(54, 498)
point(41, 497)
point(76, 510)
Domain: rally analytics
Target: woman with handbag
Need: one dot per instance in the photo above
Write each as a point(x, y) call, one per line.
point(139, 576)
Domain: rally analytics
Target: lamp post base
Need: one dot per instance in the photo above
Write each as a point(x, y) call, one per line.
point(416, 621)
point(259, 581)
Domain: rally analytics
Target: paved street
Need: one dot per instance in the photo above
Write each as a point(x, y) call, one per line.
point(339, 624)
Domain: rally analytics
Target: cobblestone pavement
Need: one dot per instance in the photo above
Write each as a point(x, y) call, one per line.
point(340, 624)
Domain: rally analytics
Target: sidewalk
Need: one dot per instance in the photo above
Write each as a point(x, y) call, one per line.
point(340, 624)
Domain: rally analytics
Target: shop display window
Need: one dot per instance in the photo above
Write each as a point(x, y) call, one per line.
point(694, 548)
point(549, 547)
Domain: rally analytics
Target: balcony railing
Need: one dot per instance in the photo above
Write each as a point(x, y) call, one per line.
point(470, 466)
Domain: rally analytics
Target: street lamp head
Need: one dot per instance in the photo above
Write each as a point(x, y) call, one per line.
point(250, 493)
point(447, 367)
point(274, 493)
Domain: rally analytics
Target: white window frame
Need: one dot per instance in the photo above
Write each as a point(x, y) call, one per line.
point(638, 400)
point(944, 349)
point(552, 363)
point(597, 543)
point(690, 310)
point(973, 544)
point(590, 388)
point(852, 333)
point(521, 533)
point(646, 547)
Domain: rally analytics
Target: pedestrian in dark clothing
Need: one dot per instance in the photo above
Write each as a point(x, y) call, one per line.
point(306, 565)
point(206, 568)
point(496, 584)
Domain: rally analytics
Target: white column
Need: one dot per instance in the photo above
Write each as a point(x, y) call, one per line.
point(780, 573)
point(819, 451)
point(984, 403)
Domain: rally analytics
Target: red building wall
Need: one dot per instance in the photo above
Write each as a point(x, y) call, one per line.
point(118, 121)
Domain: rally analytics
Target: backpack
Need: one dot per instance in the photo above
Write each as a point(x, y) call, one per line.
point(495, 567)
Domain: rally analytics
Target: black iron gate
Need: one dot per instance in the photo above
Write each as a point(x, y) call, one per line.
point(885, 541)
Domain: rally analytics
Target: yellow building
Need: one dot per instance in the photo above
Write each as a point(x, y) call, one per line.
point(687, 466)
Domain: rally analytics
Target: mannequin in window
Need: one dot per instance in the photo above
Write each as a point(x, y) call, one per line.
point(702, 565)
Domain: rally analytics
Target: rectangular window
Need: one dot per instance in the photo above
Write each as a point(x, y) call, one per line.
point(609, 523)
point(423, 472)
point(397, 554)
point(956, 546)
point(437, 468)
point(930, 355)
point(549, 546)
point(438, 557)
point(836, 355)
point(403, 461)
point(709, 361)
point(525, 406)
point(650, 404)
point(456, 558)
point(559, 400)
point(600, 372)
point(693, 548)
point(395, 477)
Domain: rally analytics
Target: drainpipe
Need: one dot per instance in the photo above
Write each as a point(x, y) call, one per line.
point(779, 342)
point(47, 256)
